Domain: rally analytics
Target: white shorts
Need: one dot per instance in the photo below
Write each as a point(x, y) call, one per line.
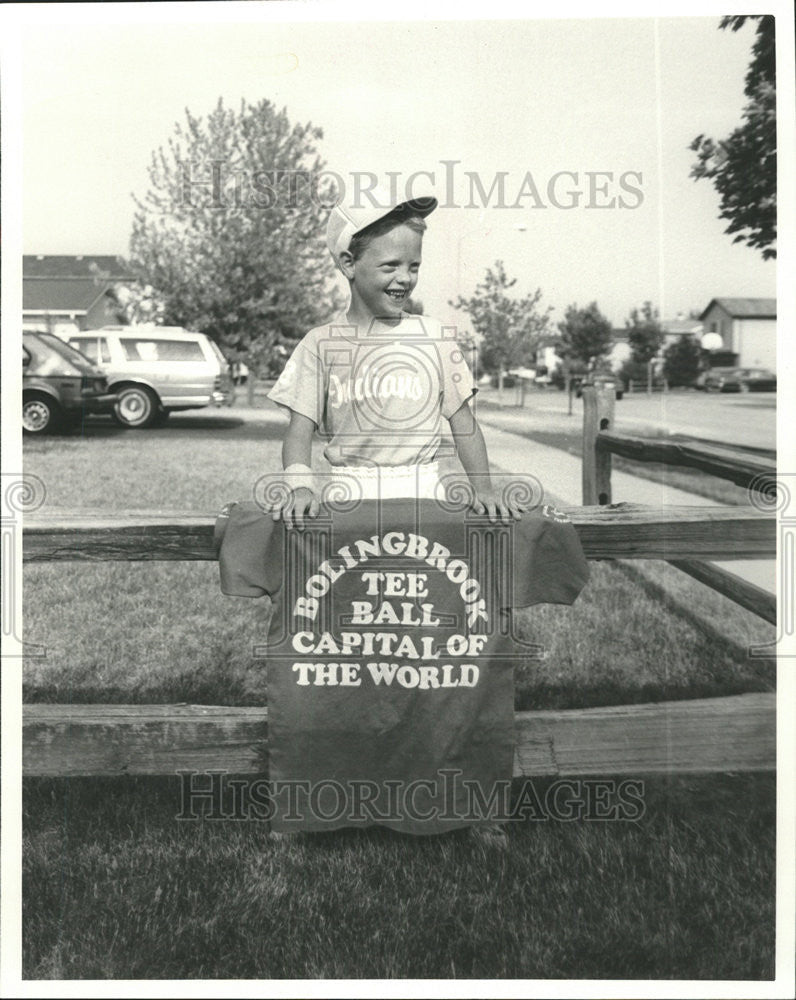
point(390, 482)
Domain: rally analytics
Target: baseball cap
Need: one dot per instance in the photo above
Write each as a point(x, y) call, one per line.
point(346, 220)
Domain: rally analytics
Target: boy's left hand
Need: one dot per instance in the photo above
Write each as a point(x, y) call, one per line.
point(486, 501)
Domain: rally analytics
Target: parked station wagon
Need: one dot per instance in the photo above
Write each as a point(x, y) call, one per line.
point(157, 369)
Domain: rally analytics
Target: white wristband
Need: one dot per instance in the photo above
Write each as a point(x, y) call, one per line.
point(298, 475)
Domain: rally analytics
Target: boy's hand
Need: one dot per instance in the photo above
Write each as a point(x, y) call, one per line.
point(486, 501)
point(295, 506)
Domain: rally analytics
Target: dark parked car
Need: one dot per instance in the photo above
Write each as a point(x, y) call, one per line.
point(738, 380)
point(59, 385)
point(719, 380)
point(757, 380)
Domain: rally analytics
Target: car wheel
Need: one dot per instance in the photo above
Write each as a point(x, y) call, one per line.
point(135, 407)
point(40, 414)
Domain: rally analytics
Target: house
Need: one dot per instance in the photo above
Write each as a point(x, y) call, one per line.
point(63, 294)
point(673, 329)
point(748, 328)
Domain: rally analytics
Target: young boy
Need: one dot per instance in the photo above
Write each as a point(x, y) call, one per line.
point(376, 380)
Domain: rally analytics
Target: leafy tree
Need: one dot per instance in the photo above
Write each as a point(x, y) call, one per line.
point(510, 328)
point(681, 361)
point(231, 231)
point(743, 167)
point(585, 334)
point(136, 303)
point(644, 334)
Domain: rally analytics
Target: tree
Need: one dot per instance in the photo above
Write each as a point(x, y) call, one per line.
point(585, 334)
point(510, 328)
point(681, 361)
point(743, 167)
point(644, 333)
point(136, 303)
point(231, 232)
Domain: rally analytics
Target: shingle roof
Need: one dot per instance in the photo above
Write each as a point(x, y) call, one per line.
point(745, 308)
point(674, 326)
point(61, 294)
point(69, 266)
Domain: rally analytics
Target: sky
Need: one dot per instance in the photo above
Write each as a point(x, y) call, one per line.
point(624, 96)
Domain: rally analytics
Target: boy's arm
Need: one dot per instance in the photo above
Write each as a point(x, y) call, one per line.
point(297, 459)
point(297, 444)
point(471, 449)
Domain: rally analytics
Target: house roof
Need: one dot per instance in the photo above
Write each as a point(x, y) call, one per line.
point(680, 326)
point(69, 266)
point(61, 295)
point(745, 308)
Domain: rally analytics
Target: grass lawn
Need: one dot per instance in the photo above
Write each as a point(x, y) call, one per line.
point(115, 887)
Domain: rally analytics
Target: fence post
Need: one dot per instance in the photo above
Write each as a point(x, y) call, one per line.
point(598, 415)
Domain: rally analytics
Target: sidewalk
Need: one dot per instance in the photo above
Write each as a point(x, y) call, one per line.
point(560, 475)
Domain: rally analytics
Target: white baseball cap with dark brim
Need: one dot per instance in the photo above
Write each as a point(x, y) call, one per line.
point(345, 221)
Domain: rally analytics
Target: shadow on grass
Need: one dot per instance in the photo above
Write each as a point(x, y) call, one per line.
point(114, 887)
point(577, 695)
point(233, 427)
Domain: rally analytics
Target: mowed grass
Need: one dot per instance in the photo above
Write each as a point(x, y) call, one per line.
point(116, 887)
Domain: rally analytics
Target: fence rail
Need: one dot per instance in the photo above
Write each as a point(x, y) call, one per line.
point(754, 472)
point(746, 470)
point(736, 733)
point(618, 531)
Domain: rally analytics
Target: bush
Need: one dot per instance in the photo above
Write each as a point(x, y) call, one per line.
point(682, 361)
point(636, 372)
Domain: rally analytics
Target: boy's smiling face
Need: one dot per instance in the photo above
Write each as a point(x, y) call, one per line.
point(384, 276)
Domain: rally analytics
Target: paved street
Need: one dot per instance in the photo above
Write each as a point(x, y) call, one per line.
point(747, 419)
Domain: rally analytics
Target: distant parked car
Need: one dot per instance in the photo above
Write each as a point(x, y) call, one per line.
point(59, 385)
point(157, 369)
point(720, 380)
point(757, 380)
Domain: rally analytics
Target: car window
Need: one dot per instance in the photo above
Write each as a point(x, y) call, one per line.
point(140, 349)
point(218, 352)
point(60, 347)
point(47, 360)
point(104, 351)
point(86, 345)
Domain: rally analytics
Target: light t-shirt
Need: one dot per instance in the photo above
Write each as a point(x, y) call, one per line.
point(377, 396)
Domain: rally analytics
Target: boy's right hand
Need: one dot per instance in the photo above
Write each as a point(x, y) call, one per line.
point(296, 505)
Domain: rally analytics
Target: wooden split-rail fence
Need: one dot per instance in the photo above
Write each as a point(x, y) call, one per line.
point(734, 733)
